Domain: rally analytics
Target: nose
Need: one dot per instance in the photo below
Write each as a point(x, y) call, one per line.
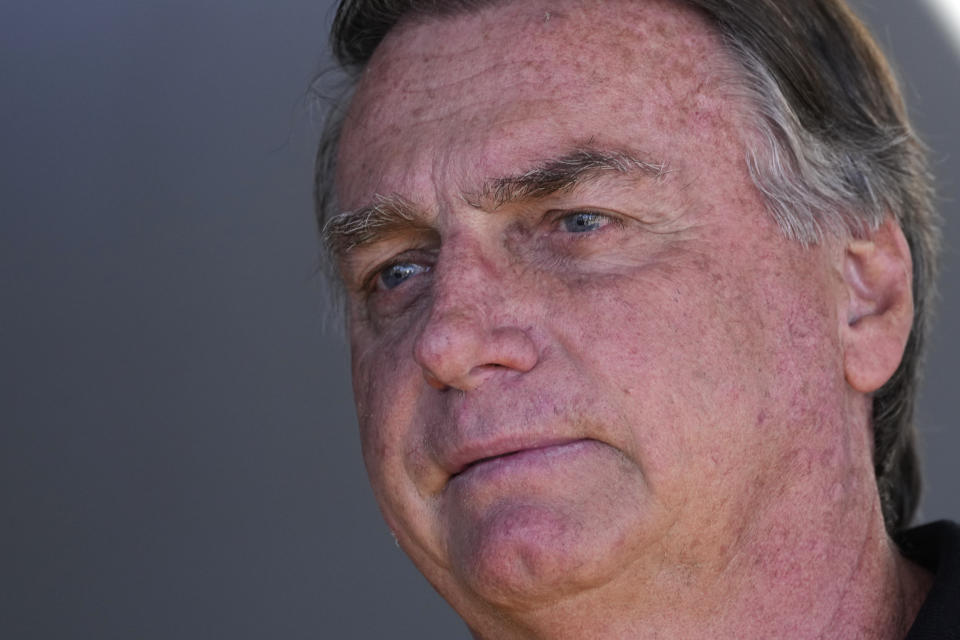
point(472, 331)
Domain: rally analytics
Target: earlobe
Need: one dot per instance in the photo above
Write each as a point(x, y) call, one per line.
point(878, 274)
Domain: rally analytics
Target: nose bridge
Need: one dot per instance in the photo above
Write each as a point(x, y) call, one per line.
point(472, 327)
point(465, 280)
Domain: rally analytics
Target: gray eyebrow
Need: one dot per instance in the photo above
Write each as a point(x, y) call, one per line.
point(351, 229)
point(393, 213)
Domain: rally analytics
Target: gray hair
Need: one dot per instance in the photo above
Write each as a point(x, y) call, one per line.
point(834, 153)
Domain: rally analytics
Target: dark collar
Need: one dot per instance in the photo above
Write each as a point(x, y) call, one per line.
point(936, 547)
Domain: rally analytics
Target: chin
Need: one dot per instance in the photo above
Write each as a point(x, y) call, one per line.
point(522, 556)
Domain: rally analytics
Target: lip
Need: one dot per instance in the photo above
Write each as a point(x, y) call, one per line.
point(481, 455)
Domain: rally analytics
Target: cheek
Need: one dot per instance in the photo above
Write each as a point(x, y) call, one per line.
point(385, 416)
point(700, 357)
point(655, 322)
point(383, 407)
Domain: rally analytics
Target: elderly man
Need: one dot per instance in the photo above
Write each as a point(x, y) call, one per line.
point(636, 294)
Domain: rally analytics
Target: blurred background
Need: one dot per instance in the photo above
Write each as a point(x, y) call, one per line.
point(178, 456)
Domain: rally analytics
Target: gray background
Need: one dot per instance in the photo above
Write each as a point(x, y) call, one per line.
point(178, 457)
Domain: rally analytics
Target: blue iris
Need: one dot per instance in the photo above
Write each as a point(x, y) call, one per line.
point(584, 221)
point(397, 274)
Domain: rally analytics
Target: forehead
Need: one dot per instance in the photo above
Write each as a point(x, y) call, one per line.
point(484, 94)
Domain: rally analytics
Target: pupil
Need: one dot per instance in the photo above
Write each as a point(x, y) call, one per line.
point(395, 274)
point(583, 222)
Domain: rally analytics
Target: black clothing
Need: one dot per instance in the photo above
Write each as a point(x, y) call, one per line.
point(936, 547)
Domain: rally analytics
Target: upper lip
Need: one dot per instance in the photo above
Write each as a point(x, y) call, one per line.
point(469, 455)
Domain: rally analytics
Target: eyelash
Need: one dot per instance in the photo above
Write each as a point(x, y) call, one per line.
point(372, 282)
point(381, 272)
point(604, 219)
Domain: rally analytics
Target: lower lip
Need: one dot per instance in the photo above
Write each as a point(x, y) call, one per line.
point(527, 460)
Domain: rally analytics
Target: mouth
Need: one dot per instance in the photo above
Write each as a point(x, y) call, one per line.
point(538, 452)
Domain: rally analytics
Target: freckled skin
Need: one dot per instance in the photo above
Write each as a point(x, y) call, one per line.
point(694, 349)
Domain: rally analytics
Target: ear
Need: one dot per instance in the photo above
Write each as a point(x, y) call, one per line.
point(878, 273)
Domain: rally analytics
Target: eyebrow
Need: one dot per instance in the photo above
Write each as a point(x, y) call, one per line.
point(389, 214)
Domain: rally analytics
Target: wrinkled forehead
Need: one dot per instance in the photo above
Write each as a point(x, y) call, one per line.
point(521, 41)
point(497, 66)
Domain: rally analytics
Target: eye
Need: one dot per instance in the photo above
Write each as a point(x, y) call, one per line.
point(583, 221)
point(394, 275)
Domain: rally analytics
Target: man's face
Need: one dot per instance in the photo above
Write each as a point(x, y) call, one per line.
point(621, 379)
